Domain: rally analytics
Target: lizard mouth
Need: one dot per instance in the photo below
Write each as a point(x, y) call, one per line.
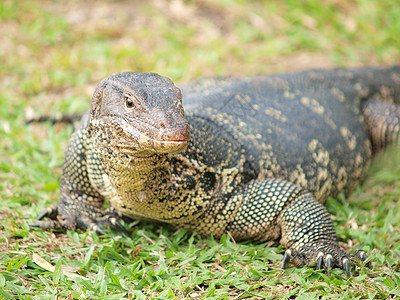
point(134, 142)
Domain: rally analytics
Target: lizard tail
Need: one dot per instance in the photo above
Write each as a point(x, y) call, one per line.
point(59, 118)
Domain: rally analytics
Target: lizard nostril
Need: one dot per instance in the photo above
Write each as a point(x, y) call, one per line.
point(162, 125)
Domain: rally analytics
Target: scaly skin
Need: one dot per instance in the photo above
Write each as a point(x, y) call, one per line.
point(252, 156)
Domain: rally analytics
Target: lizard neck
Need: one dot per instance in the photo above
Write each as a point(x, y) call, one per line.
point(146, 188)
point(142, 184)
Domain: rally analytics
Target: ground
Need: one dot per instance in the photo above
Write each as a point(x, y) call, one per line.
point(53, 54)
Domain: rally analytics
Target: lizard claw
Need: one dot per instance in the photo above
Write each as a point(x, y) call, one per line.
point(332, 257)
point(111, 218)
point(320, 261)
point(346, 267)
point(361, 256)
point(51, 212)
point(118, 225)
point(286, 259)
point(328, 265)
point(98, 229)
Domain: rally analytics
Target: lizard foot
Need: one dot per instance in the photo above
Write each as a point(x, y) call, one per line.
point(329, 255)
point(61, 220)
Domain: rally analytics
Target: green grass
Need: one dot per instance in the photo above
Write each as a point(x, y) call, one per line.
point(52, 55)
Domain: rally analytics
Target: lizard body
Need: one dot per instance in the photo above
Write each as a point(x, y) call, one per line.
point(250, 156)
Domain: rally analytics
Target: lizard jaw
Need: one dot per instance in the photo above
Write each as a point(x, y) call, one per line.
point(135, 143)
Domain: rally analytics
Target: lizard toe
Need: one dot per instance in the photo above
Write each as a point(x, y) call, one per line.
point(51, 213)
point(346, 267)
point(112, 222)
point(286, 259)
point(109, 218)
point(362, 257)
point(62, 218)
point(97, 229)
point(328, 264)
point(54, 225)
point(119, 226)
point(320, 260)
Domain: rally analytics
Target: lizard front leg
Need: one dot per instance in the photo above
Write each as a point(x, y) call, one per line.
point(72, 214)
point(80, 206)
point(275, 209)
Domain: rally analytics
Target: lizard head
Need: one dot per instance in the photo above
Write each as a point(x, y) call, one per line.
point(139, 115)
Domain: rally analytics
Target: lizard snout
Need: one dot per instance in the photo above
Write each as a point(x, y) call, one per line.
point(170, 127)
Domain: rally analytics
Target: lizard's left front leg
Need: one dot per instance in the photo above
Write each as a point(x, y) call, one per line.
point(274, 208)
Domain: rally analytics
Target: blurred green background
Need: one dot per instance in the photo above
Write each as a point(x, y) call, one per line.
point(53, 54)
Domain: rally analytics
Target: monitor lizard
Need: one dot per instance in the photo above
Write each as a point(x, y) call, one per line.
point(252, 156)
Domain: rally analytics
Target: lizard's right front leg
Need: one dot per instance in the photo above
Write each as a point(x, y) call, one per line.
point(70, 216)
point(80, 205)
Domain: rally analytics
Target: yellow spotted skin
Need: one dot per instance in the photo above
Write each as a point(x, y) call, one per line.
point(254, 156)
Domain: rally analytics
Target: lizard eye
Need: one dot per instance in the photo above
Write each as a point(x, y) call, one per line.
point(128, 102)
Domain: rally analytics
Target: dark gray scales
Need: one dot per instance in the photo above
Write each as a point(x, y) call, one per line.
point(250, 156)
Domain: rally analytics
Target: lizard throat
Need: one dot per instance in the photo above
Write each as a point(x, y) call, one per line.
point(144, 188)
point(139, 182)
